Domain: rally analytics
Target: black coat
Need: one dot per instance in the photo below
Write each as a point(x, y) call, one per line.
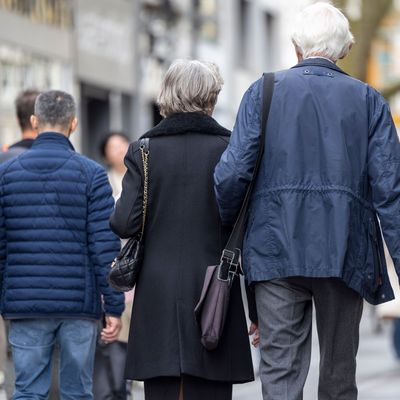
point(183, 235)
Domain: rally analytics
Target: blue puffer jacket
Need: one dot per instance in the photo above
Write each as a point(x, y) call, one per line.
point(331, 164)
point(56, 246)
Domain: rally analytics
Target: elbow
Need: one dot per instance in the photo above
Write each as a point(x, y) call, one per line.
point(117, 227)
point(123, 227)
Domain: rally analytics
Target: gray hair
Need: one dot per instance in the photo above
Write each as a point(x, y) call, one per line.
point(322, 30)
point(190, 86)
point(55, 108)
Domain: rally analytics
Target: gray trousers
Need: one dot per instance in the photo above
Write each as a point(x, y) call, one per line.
point(285, 320)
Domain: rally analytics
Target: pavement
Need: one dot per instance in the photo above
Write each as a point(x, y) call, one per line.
point(378, 373)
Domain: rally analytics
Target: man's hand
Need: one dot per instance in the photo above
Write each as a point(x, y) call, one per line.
point(111, 331)
point(253, 330)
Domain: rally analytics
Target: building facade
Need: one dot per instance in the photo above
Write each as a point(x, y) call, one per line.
point(82, 46)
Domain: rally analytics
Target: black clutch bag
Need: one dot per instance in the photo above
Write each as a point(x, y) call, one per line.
point(126, 267)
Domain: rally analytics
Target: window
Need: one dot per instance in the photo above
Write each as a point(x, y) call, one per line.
point(50, 12)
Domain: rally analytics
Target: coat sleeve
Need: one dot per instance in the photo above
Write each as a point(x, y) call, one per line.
point(126, 219)
point(103, 245)
point(234, 171)
point(384, 173)
point(3, 243)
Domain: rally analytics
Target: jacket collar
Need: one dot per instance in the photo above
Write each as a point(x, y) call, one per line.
point(319, 62)
point(52, 139)
point(24, 143)
point(189, 122)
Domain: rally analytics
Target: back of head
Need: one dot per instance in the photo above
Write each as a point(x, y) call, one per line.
point(25, 107)
point(190, 86)
point(55, 110)
point(322, 30)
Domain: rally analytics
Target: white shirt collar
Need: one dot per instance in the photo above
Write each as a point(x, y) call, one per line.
point(324, 58)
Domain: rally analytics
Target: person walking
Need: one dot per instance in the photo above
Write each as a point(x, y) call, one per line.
point(108, 379)
point(329, 169)
point(183, 235)
point(55, 252)
point(24, 107)
point(113, 149)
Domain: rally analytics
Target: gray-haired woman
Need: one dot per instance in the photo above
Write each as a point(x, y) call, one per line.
point(183, 235)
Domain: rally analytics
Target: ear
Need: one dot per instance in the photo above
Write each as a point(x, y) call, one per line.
point(74, 125)
point(345, 55)
point(298, 52)
point(34, 122)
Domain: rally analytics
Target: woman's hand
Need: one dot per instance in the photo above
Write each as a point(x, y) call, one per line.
point(253, 331)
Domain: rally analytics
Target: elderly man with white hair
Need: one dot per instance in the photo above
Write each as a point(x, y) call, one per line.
point(329, 173)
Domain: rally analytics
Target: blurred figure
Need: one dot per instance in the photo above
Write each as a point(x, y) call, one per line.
point(108, 380)
point(55, 252)
point(396, 336)
point(114, 148)
point(24, 107)
point(391, 310)
point(329, 169)
point(183, 235)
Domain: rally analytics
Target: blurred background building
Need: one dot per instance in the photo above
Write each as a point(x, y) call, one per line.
point(111, 54)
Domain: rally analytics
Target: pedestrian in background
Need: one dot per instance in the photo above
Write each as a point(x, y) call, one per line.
point(109, 380)
point(330, 166)
point(55, 252)
point(24, 107)
point(183, 235)
point(113, 149)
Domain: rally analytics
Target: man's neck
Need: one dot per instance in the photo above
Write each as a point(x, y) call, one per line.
point(29, 134)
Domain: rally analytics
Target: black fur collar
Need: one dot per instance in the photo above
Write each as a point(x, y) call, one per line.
point(190, 122)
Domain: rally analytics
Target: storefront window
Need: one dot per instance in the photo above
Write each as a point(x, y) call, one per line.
point(50, 12)
point(20, 70)
point(208, 10)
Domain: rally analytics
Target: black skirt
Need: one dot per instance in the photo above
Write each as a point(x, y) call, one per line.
point(168, 388)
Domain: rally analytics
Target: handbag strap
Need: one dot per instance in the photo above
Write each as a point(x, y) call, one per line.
point(144, 150)
point(231, 252)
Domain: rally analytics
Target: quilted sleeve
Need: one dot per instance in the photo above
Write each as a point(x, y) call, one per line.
point(103, 244)
point(2, 240)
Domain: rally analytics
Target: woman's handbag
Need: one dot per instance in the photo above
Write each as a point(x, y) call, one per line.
point(126, 266)
point(212, 307)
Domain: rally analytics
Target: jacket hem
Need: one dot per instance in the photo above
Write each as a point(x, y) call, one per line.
point(8, 316)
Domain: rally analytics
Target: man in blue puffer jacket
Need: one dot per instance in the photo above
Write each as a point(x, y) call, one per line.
point(330, 168)
point(56, 248)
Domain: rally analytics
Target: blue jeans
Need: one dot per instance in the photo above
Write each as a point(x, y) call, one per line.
point(33, 341)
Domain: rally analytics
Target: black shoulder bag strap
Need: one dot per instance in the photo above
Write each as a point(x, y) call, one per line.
point(231, 255)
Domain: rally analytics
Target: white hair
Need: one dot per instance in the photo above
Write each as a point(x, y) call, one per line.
point(189, 86)
point(322, 30)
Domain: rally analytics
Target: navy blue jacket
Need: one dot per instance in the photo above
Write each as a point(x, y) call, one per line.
point(56, 246)
point(331, 164)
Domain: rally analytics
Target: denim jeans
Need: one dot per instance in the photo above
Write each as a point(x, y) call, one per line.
point(33, 341)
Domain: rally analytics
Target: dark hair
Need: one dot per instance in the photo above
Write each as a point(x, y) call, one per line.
point(55, 108)
point(106, 139)
point(25, 107)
